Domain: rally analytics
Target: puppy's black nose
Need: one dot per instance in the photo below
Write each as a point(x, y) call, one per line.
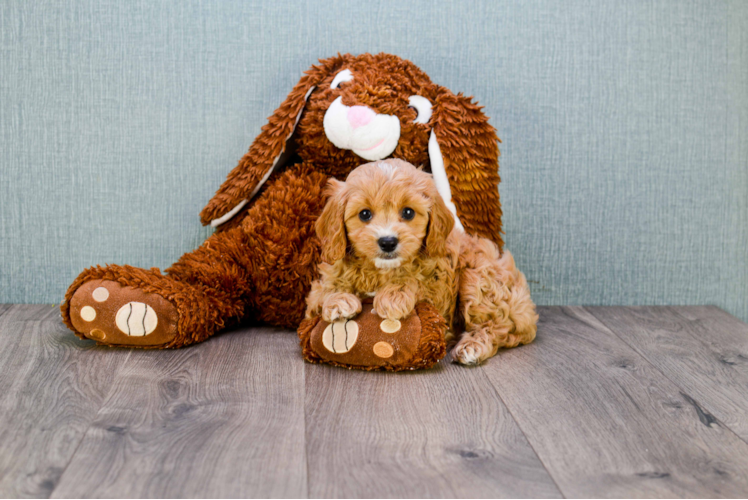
point(387, 243)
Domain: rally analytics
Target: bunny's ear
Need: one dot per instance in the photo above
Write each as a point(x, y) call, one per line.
point(264, 154)
point(330, 226)
point(464, 157)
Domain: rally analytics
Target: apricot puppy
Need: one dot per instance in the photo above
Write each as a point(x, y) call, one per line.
point(387, 233)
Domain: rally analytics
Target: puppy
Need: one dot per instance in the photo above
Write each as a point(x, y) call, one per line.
point(387, 233)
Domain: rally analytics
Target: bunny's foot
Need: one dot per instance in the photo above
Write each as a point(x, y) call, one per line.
point(110, 313)
point(132, 307)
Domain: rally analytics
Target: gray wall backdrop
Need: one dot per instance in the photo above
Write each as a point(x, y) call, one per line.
point(625, 129)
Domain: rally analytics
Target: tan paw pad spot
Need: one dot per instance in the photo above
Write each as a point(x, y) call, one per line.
point(88, 313)
point(136, 319)
point(100, 294)
point(390, 326)
point(339, 337)
point(97, 334)
point(383, 350)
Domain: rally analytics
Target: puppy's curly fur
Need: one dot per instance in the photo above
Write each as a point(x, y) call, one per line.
point(475, 287)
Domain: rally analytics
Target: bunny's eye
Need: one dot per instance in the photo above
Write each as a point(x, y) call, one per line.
point(365, 215)
point(343, 76)
point(422, 106)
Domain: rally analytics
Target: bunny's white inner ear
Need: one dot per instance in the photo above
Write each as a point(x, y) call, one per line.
point(440, 178)
point(227, 217)
point(422, 107)
point(343, 76)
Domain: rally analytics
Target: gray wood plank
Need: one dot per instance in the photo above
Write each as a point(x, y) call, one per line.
point(703, 350)
point(439, 433)
point(606, 423)
point(33, 312)
point(4, 307)
point(51, 387)
point(220, 419)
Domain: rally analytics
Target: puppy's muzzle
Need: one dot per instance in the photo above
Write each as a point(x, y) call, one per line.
point(388, 243)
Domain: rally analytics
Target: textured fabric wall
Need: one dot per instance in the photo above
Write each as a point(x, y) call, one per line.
point(625, 129)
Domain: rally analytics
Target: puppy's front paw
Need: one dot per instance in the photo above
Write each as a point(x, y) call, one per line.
point(340, 305)
point(471, 351)
point(393, 305)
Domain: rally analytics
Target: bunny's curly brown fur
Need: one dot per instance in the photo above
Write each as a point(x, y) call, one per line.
point(262, 259)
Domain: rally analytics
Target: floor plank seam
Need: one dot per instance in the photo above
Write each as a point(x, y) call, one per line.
point(697, 405)
point(529, 443)
point(83, 436)
point(306, 433)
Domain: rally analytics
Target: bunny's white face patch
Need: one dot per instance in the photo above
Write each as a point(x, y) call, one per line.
point(370, 135)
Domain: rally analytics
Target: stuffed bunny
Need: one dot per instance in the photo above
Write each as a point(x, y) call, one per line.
point(263, 257)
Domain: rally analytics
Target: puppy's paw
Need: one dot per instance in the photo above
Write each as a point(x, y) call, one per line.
point(393, 305)
point(471, 351)
point(340, 306)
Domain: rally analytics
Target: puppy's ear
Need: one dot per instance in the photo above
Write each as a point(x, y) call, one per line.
point(265, 152)
point(464, 157)
point(330, 226)
point(441, 222)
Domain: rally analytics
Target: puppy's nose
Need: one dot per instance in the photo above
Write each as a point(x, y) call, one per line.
point(359, 116)
point(387, 243)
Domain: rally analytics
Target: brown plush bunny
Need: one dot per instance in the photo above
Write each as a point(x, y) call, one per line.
point(263, 257)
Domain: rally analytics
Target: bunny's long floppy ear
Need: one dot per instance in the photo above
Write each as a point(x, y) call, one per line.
point(464, 157)
point(265, 153)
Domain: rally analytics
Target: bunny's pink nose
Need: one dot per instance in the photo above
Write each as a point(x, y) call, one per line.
point(359, 116)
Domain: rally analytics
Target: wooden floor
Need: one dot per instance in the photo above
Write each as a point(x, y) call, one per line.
point(608, 402)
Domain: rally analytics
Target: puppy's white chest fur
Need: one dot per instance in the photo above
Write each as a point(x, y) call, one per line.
point(387, 264)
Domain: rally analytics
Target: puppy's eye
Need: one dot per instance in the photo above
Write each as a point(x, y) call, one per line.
point(422, 106)
point(408, 213)
point(365, 215)
point(343, 76)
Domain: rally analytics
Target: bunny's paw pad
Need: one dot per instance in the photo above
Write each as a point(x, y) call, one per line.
point(368, 342)
point(114, 314)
